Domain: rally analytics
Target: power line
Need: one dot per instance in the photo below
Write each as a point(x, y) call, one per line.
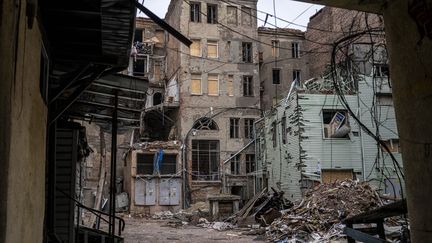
point(247, 36)
point(298, 16)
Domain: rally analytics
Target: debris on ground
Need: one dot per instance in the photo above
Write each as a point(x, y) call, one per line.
point(317, 217)
point(263, 208)
point(163, 215)
point(220, 226)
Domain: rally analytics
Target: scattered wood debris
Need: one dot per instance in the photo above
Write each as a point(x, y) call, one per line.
point(318, 215)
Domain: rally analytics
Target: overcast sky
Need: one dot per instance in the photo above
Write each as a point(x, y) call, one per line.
point(291, 11)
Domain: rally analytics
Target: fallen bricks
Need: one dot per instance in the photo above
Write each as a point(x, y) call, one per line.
point(319, 213)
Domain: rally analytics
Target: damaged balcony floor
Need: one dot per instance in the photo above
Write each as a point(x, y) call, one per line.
point(141, 230)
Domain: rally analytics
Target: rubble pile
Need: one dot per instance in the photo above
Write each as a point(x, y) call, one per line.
point(322, 209)
point(263, 208)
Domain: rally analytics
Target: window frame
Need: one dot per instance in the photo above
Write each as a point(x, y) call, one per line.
point(248, 86)
point(250, 163)
point(193, 13)
point(248, 128)
point(295, 50)
point(212, 19)
point(247, 52)
point(234, 127)
point(296, 75)
point(247, 20)
point(235, 164)
point(145, 66)
point(345, 122)
point(198, 152)
point(278, 70)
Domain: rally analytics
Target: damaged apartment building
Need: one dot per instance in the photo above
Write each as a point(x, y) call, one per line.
point(310, 136)
point(218, 79)
point(152, 168)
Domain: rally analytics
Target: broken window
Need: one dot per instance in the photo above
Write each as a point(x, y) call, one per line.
point(248, 128)
point(246, 16)
point(138, 35)
point(139, 67)
point(393, 145)
point(205, 160)
point(247, 86)
point(211, 13)
point(232, 15)
point(235, 164)
point(275, 48)
point(247, 51)
point(195, 48)
point(336, 124)
point(296, 76)
point(230, 85)
point(212, 49)
point(205, 123)
point(381, 70)
point(295, 51)
point(284, 130)
point(196, 84)
point(213, 84)
point(144, 164)
point(234, 127)
point(250, 163)
point(195, 10)
point(276, 76)
point(166, 163)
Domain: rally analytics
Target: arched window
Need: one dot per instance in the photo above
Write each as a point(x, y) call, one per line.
point(205, 123)
point(157, 98)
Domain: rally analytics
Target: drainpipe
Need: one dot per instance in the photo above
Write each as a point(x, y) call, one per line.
point(361, 140)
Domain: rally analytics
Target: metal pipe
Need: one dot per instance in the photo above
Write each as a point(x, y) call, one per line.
point(113, 166)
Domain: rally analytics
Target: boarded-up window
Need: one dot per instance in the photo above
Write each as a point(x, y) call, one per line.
point(232, 15)
point(195, 48)
point(196, 84)
point(212, 49)
point(230, 85)
point(157, 71)
point(246, 16)
point(275, 48)
point(213, 84)
point(333, 175)
point(160, 35)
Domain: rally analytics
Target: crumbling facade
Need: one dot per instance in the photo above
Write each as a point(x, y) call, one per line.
point(283, 59)
point(219, 93)
point(310, 137)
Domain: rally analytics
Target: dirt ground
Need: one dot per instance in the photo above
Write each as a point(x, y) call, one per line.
point(141, 230)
